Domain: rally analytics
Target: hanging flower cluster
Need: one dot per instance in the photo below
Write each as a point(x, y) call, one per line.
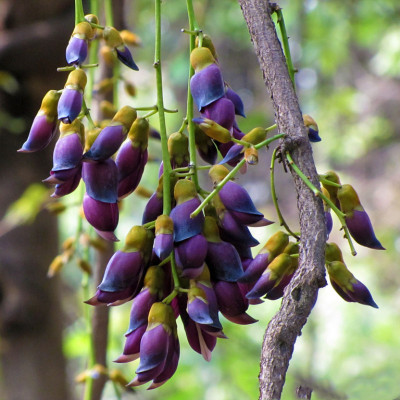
point(192, 256)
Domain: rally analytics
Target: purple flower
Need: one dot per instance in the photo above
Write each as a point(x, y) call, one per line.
point(205, 146)
point(44, 125)
point(153, 208)
point(124, 55)
point(76, 51)
point(157, 347)
point(132, 345)
point(111, 137)
point(255, 269)
point(69, 148)
point(68, 185)
point(347, 285)
point(102, 216)
point(164, 240)
point(271, 277)
point(361, 230)
point(101, 180)
point(198, 306)
point(207, 85)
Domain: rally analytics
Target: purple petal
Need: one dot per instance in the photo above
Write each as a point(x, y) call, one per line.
point(255, 269)
point(184, 226)
point(224, 262)
point(40, 134)
point(69, 105)
point(153, 209)
point(192, 252)
point(106, 144)
point(234, 232)
point(132, 345)
point(67, 152)
point(236, 198)
point(329, 223)
point(207, 86)
point(153, 349)
point(102, 216)
point(140, 309)
point(277, 292)
point(234, 153)
point(221, 111)
point(163, 245)
point(124, 55)
point(361, 230)
point(313, 135)
point(362, 295)
point(123, 270)
point(236, 100)
point(230, 299)
point(76, 51)
point(68, 186)
point(262, 286)
point(101, 180)
point(199, 311)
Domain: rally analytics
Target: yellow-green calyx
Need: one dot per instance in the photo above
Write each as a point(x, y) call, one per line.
point(200, 58)
point(255, 136)
point(326, 194)
point(178, 148)
point(340, 274)
point(75, 126)
point(139, 133)
point(112, 37)
point(349, 200)
point(280, 264)
point(161, 313)
point(91, 136)
point(125, 116)
point(331, 176)
point(76, 80)
point(210, 230)
point(275, 245)
point(218, 173)
point(184, 190)
point(251, 155)
point(310, 122)
point(154, 280)
point(196, 293)
point(207, 42)
point(84, 31)
point(49, 105)
point(136, 239)
point(333, 253)
point(215, 131)
point(164, 225)
point(205, 276)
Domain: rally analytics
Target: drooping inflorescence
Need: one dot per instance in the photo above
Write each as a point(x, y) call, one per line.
point(191, 259)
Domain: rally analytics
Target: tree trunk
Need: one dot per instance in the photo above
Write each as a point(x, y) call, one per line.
point(301, 294)
point(33, 366)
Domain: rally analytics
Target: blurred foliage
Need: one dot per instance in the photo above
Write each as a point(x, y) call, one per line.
point(347, 54)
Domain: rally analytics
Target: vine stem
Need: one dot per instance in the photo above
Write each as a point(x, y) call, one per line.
point(328, 201)
point(231, 174)
point(189, 107)
point(79, 13)
point(163, 130)
point(285, 43)
point(282, 221)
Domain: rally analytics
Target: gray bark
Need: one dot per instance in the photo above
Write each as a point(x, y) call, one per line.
point(300, 296)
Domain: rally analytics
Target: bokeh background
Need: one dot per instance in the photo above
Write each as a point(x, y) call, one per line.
point(348, 60)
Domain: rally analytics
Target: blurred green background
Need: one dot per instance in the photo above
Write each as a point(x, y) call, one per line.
point(348, 60)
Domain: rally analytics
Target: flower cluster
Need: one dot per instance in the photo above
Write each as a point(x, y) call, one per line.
point(192, 256)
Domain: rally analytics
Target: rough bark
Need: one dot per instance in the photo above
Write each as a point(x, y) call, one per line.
point(301, 294)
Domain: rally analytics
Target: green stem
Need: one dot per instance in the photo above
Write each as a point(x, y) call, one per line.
point(282, 221)
point(86, 112)
point(271, 128)
point(108, 10)
point(231, 174)
point(161, 114)
point(79, 13)
point(285, 43)
point(189, 106)
point(327, 182)
point(328, 201)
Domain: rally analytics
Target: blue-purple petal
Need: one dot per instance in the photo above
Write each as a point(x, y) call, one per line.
point(125, 56)
point(76, 51)
point(70, 105)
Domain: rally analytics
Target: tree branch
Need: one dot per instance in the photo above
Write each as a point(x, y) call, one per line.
point(301, 294)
